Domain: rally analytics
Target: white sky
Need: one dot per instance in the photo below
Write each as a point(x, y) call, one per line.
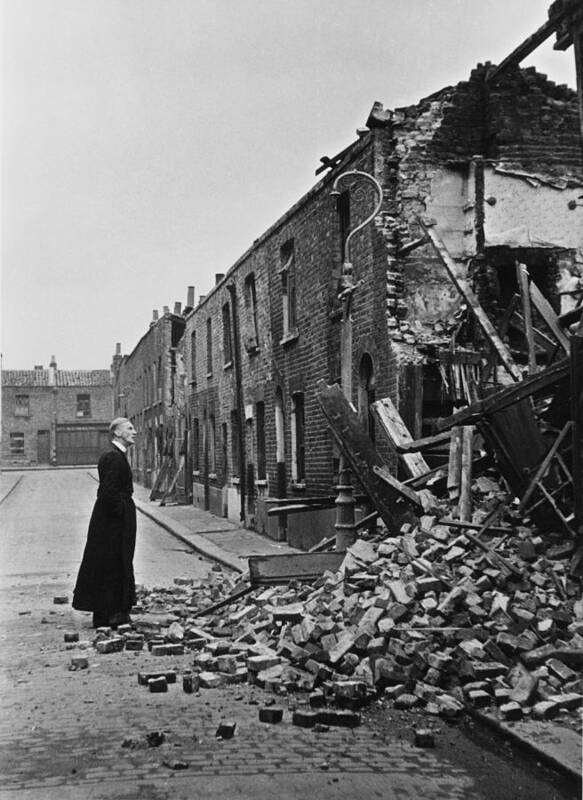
point(147, 143)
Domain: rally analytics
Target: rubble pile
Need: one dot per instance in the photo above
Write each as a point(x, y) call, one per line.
point(432, 618)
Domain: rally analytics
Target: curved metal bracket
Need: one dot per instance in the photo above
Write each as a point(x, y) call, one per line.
point(361, 225)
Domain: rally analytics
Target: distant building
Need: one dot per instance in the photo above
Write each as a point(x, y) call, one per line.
point(53, 416)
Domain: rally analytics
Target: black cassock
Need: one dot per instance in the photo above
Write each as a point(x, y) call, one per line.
point(105, 582)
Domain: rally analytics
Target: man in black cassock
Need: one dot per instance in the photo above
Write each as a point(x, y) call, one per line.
point(105, 583)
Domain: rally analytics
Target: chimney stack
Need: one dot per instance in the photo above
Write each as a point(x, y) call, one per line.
point(118, 348)
point(189, 299)
point(165, 309)
point(53, 372)
point(178, 308)
point(219, 277)
point(201, 298)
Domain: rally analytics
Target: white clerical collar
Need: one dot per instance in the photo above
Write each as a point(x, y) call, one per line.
point(119, 446)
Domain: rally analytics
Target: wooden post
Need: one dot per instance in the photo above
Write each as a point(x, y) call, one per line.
point(465, 502)
point(455, 462)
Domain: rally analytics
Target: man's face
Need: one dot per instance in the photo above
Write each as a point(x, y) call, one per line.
point(126, 433)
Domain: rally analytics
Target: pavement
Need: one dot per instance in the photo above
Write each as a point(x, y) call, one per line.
point(230, 545)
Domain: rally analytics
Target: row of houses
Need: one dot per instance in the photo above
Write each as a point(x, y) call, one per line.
point(224, 390)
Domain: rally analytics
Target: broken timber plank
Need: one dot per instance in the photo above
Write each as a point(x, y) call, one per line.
point(172, 485)
point(523, 279)
point(482, 318)
point(399, 487)
point(361, 454)
point(295, 508)
point(540, 473)
point(399, 437)
point(415, 445)
point(507, 396)
point(547, 312)
point(264, 570)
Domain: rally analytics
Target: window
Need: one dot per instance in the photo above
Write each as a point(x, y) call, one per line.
point(235, 450)
point(83, 405)
point(298, 439)
point(227, 336)
point(212, 445)
point(225, 450)
point(193, 357)
point(159, 381)
point(288, 289)
point(260, 421)
point(22, 407)
point(251, 337)
point(17, 444)
point(209, 346)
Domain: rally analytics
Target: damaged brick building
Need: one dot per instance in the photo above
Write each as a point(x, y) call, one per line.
point(493, 168)
point(148, 389)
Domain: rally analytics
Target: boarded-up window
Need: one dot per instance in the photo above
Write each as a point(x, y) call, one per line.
point(17, 444)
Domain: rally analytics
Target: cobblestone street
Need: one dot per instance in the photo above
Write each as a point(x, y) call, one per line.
point(82, 734)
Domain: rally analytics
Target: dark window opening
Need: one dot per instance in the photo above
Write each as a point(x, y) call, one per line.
point(260, 424)
point(83, 405)
point(227, 335)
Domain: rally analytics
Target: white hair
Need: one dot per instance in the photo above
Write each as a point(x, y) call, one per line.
point(116, 423)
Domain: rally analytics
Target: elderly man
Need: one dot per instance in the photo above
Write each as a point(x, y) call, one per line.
point(105, 583)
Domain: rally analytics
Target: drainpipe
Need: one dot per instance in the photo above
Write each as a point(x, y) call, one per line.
point(240, 408)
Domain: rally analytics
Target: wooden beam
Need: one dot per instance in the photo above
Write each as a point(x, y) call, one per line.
point(415, 445)
point(540, 473)
point(295, 508)
point(526, 47)
point(482, 318)
point(547, 312)
point(507, 396)
point(398, 435)
point(523, 279)
point(400, 488)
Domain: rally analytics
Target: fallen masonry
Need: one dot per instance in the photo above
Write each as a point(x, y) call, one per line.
point(426, 619)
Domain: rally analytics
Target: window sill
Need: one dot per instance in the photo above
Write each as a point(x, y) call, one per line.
point(209, 375)
point(212, 476)
point(196, 473)
point(235, 481)
point(262, 483)
point(290, 336)
point(227, 365)
point(298, 486)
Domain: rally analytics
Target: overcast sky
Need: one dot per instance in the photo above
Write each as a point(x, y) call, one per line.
point(147, 143)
